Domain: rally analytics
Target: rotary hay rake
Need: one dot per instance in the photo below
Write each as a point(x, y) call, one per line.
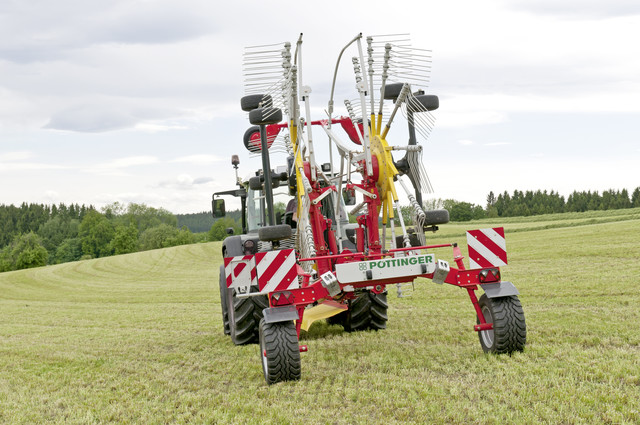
point(276, 281)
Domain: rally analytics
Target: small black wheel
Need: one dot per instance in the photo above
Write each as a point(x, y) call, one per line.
point(265, 116)
point(252, 145)
point(244, 316)
point(274, 233)
point(367, 311)
point(223, 302)
point(509, 333)
point(429, 102)
point(279, 352)
point(255, 101)
point(392, 91)
point(433, 217)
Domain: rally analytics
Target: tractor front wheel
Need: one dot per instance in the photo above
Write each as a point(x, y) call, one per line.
point(244, 316)
point(279, 352)
point(509, 333)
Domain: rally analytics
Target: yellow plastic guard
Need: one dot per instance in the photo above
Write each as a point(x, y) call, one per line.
point(321, 311)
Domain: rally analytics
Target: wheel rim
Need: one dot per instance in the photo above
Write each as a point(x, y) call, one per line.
point(488, 335)
point(263, 355)
point(265, 365)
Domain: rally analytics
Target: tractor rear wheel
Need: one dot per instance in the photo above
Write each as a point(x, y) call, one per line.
point(223, 302)
point(279, 352)
point(244, 317)
point(367, 311)
point(509, 331)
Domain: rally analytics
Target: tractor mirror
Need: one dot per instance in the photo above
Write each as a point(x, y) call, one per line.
point(349, 196)
point(217, 207)
point(235, 160)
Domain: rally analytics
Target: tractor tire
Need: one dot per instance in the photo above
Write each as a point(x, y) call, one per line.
point(243, 314)
point(337, 319)
point(274, 233)
point(509, 333)
point(223, 302)
point(244, 317)
point(265, 116)
point(367, 311)
point(279, 352)
point(254, 101)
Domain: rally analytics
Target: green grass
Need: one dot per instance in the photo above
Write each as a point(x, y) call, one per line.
point(138, 339)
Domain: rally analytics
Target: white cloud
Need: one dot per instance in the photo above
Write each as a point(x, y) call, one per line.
point(51, 195)
point(130, 162)
point(466, 142)
point(578, 9)
point(184, 182)
point(156, 128)
point(200, 159)
point(30, 166)
point(118, 166)
point(15, 156)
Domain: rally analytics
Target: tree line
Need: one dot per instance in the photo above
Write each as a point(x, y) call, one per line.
point(34, 235)
point(537, 202)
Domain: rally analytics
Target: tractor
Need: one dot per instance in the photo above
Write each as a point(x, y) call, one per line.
point(320, 261)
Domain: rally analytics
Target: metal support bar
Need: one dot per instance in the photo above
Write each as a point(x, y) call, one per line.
point(266, 171)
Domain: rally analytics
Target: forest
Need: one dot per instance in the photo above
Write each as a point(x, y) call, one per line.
point(34, 235)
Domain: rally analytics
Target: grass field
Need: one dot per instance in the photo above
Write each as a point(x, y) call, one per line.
point(138, 339)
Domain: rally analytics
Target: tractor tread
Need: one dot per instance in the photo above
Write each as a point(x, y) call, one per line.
point(245, 318)
point(367, 311)
point(509, 326)
point(280, 342)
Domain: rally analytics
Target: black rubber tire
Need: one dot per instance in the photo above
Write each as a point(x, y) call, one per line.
point(256, 183)
point(223, 301)
point(279, 352)
point(429, 102)
point(246, 139)
point(274, 233)
point(244, 317)
point(255, 101)
point(337, 319)
point(265, 116)
point(392, 91)
point(433, 217)
point(367, 311)
point(509, 333)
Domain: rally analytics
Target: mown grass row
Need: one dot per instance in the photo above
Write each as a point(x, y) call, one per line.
point(138, 339)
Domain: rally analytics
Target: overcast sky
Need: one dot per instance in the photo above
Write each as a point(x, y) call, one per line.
point(139, 101)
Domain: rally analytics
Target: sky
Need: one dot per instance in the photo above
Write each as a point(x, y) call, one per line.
point(139, 100)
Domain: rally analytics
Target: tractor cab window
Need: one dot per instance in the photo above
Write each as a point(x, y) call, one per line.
point(256, 207)
point(255, 210)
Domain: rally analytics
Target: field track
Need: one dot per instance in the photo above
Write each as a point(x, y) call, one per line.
point(138, 339)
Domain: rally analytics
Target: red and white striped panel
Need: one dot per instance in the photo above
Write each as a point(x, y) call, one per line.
point(276, 270)
point(240, 271)
point(487, 248)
